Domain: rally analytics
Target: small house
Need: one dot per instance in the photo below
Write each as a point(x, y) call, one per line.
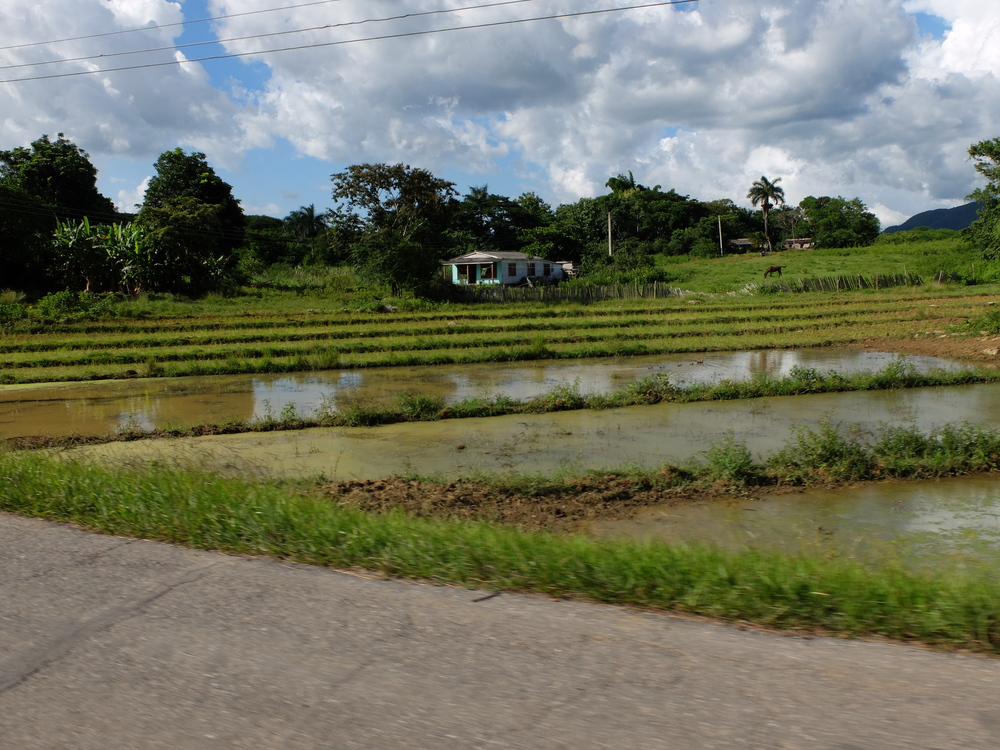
point(741, 245)
point(484, 267)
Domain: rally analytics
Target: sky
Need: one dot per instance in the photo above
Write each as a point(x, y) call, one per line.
point(876, 99)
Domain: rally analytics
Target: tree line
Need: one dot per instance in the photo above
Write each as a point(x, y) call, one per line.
point(394, 224)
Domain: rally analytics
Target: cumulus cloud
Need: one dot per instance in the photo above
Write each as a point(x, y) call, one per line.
point(129, 113)
point(837, 97)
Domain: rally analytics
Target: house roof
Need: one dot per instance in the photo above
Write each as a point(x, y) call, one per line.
point(481, 256)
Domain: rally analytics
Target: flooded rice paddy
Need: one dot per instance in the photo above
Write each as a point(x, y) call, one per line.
point(949, 514)
point(104, 407)
point(574, 441)
point(958, 516)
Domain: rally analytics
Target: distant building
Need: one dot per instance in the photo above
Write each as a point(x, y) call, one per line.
point(502, 268)
point(742, 245)
point(799, 243)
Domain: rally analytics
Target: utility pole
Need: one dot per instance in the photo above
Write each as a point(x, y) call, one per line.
point(721, 251)
point(609, 234)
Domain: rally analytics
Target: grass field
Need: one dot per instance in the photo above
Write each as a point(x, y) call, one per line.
point(244, 338)
point(926, 259)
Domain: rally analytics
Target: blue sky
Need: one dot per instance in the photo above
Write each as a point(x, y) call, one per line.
point(878, 99)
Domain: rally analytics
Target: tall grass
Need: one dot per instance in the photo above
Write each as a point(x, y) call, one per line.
point(954, 607)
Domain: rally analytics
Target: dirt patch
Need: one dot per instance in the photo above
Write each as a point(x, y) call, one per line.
point(560, 509)
point(979, 351)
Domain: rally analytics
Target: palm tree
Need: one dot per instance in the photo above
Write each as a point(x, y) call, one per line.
point(305, 224)
point(768, 195)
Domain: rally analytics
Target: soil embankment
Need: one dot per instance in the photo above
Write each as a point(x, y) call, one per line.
point(558, 507)
point(981, 351)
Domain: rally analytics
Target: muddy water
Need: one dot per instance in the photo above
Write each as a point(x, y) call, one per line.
point(99, 408)
point(646, 436)
point(952, 516)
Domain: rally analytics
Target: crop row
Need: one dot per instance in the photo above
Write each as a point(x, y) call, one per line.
point(248, 320)
point(481, 339)
point(676, 322)
point(487, 335)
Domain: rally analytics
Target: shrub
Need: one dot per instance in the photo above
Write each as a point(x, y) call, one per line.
point(730, 461)
point(419, 407)
point(826, 452)
point(67, 305)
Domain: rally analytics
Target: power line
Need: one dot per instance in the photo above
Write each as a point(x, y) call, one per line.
point(166, 25)
point(401, 35)
point(264, 36)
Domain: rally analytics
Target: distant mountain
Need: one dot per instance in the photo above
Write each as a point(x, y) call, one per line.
point(940, 218)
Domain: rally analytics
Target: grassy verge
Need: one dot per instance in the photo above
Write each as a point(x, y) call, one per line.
point(958, 608)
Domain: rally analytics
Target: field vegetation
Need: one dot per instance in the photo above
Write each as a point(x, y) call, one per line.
point(295, 321)
point(953, 605)
point(515, 532)
point(191, 286)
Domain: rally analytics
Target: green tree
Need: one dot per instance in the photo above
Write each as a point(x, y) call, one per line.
point(767, 194)
point(788, 219)
point(56, 176)
point(183, 175)
point(701, 239)
point(538, 213)
point(984, 232)
point(266, 241)
point(83, 262)
point(308, 229)
point(486, 221)
point(837, 222)
point(986, 155)
point(400, 214)
point(182, 240)
point(102, 257)
point(25, 248)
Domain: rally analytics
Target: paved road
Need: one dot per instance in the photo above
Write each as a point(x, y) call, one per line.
point(109, 643)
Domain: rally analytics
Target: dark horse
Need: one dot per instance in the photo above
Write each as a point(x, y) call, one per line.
point(773, 269)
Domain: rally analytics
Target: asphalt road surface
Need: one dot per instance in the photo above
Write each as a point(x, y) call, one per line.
point(110, 643)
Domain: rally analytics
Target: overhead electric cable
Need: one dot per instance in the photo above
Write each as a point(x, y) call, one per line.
point(188, 45)
point(400, 35)
point(167, 25)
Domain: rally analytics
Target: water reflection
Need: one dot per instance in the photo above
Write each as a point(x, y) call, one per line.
point(98, 408)
point(930, 518)
point(645, 436)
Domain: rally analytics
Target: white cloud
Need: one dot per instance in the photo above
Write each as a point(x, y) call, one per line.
point(836, 97)
point(134, 112)
point(128, 200)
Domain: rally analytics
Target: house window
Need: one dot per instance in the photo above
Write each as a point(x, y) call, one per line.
point(531, 269)
point(546, 269)
point(489, 271)
point(512, 269)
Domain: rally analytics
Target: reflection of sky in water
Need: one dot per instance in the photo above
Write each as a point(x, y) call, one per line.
point(94, 408)
point(931, 517)
point(528, 380)
point(305, 394)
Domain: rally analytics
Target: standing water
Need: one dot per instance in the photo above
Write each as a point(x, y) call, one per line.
point(959, 516)
point(100, 408)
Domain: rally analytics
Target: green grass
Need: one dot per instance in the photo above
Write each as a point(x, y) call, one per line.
point(251, 340)
point(957, 608)
point(957, 260)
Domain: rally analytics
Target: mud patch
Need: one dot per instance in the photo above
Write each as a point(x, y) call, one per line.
point(558, 507)
point(980, 351)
